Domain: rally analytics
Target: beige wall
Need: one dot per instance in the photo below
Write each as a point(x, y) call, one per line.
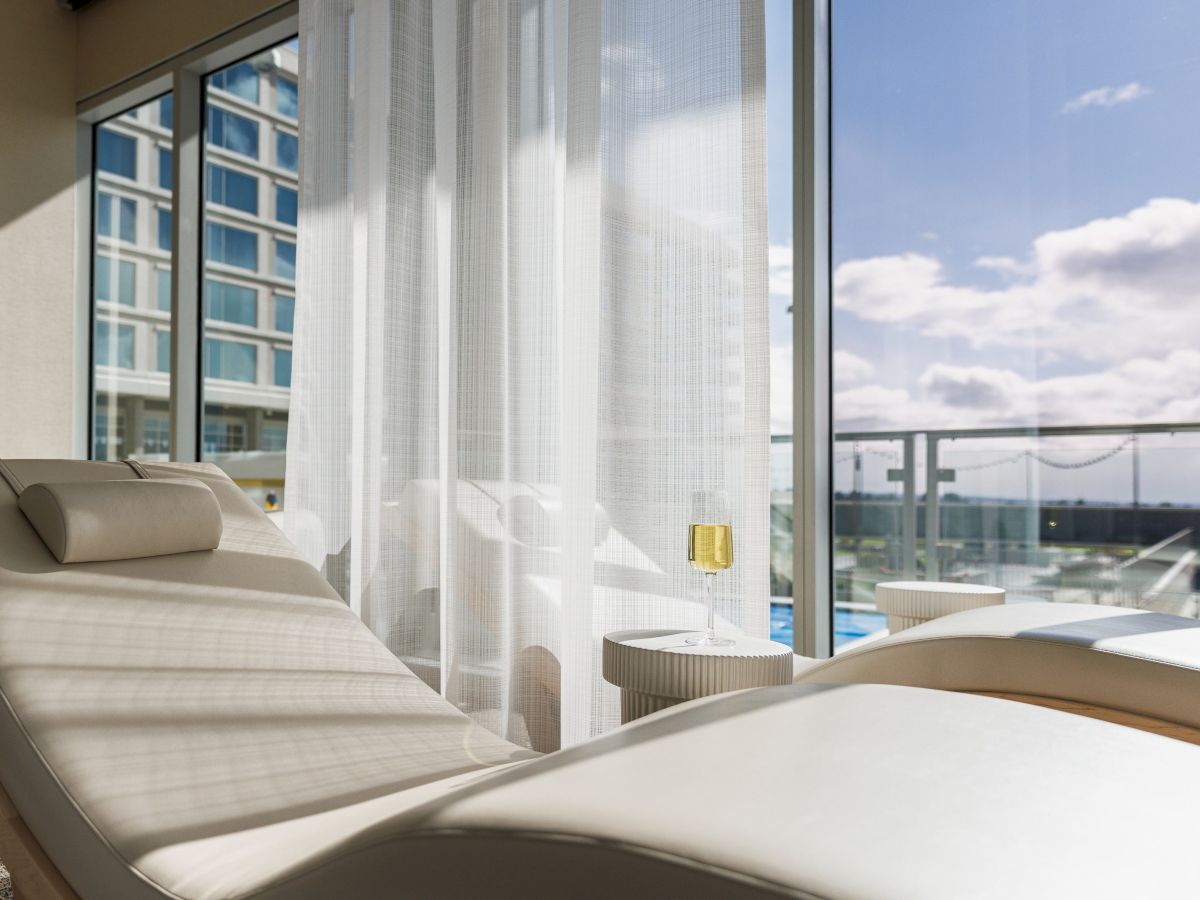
point(119, 38)
point(37, 230)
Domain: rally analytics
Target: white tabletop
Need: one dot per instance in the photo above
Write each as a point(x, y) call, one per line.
point(673, 641)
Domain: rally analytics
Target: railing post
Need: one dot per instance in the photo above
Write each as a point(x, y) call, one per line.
point(932, 525)
point(908, 521)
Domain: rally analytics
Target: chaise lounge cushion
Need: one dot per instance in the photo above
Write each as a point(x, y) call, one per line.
point(97, 521)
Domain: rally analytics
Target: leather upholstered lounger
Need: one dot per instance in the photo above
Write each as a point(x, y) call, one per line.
point(1106, 657)
point(217, 724)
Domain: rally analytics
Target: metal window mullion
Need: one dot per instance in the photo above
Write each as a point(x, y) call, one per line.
point(186, 324)
point(812, 513)
point(83, 444)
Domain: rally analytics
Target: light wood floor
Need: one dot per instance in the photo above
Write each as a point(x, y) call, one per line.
point(34, 877)
point(1129, 720)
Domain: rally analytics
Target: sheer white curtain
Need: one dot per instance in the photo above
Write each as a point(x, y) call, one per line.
point(531, 325)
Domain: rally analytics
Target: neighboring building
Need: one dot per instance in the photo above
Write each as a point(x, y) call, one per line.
point(249, 247)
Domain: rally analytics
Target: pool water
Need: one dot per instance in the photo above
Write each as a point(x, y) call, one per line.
point(847, 624)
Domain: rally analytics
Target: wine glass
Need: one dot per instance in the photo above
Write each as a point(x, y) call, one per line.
point(710, 549)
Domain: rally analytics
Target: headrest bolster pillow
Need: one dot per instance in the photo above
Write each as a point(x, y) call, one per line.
point(95, 521)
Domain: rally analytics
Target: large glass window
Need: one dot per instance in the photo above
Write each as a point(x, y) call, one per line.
point(232, 131)
point(130, 282)
point(245, 422)
point(779, 230)
point(236, 190)
point(1015, 369)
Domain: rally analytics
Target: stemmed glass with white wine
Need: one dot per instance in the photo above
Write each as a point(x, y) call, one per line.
point(710, 549)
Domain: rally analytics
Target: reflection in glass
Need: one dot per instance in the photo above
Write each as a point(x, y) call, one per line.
point(131, 283)
point(250, 256)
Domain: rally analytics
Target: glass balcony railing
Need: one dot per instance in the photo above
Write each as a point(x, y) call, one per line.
point(1105, 515)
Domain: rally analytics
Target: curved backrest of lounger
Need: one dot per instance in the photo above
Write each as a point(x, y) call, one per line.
point(1125, 659)
point(158, 703)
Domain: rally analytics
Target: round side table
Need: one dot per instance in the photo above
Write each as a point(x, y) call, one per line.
point(656, 669)
point(910, 603)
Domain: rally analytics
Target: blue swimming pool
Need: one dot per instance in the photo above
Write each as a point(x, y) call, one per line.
point(847, 625)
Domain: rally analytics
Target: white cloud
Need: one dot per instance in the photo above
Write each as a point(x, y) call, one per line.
point(1105, 292)
point(1106, 96)
point(1139, 390)
point(849, 368)
point(779, 262)
point(1115, 300)
point(781, 390)
point(1005, 264)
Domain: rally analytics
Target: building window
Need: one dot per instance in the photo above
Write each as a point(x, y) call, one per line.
point(156, 435)
point(227, 302)
point(285, 97)
point(165, 179)
point(166, 112)
point(285, 313)
point(162, 350)
point(283, 368)
point(109, 442)
point(116, 153)
point(285, 150)
point(114, 346)
point(241, 80)
point(230, 360)
point(224, 437)
point(285, 259)
point(164, 229)
point(233, 189)
point(232, 246)
point(124, 210)
point(274, 437)
point(162, 289)
point(126, 280)
point(285, 205)
point(233, 132)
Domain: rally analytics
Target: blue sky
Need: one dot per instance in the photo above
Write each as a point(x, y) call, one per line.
point(998, 257)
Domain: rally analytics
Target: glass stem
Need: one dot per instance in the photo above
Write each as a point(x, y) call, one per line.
point(708, 593)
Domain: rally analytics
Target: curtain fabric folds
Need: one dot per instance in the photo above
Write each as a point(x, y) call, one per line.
point(531, 325)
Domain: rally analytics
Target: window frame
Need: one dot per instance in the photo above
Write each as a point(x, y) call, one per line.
point(182, 77)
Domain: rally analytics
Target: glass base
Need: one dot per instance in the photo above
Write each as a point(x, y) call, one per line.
point(703, 640)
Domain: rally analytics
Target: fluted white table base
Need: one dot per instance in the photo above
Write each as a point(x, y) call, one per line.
point(656, 669)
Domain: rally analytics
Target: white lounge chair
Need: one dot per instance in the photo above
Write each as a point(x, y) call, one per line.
point(217, 724)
